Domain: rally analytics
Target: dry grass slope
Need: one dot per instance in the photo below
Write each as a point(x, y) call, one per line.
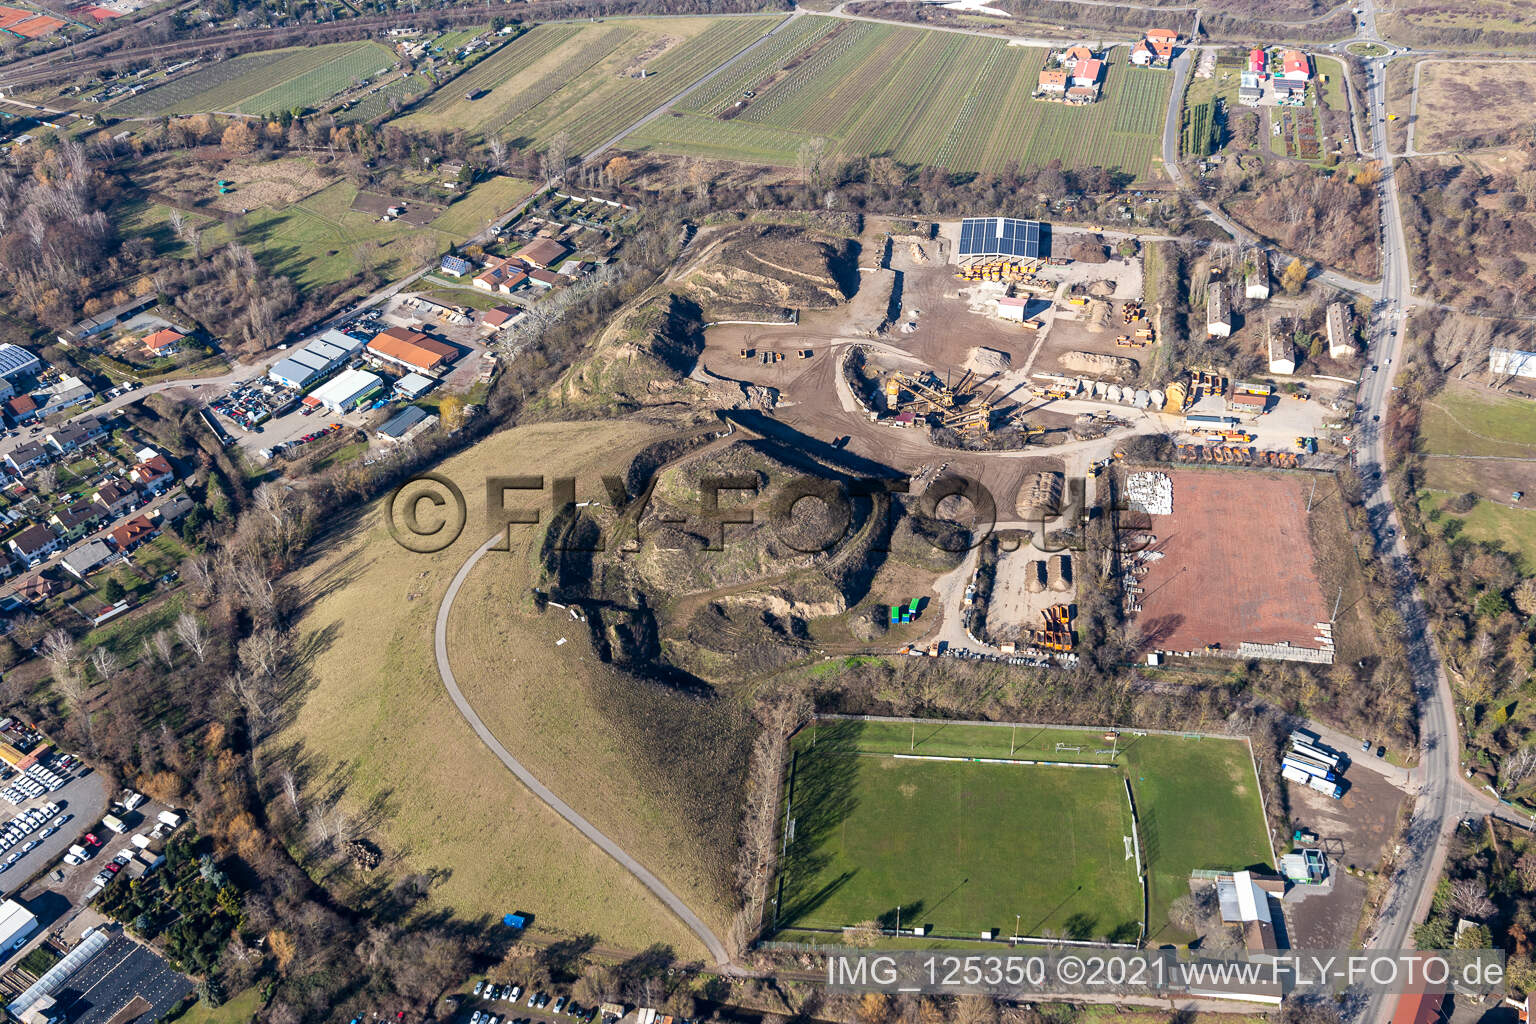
point(378, 726)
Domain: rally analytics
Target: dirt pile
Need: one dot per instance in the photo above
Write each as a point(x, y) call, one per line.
point(1099, 365)
point(641, 360)
point(987, 360)
point(768, 273)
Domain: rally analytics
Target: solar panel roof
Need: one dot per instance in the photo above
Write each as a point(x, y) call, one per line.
point(1004, 236)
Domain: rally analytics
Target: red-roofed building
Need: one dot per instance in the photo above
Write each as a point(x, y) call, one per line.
point(1156, 53)
point(1256, 61)
point(21, 409)
point(1087, 73)
point(1165, 35)
point(1052, 81)
point(164, 342)
point(153, 475)
point(133, 533)
point(1297, 67)
point(1075, 56)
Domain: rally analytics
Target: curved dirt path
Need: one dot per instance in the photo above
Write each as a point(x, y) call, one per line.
point(658, 888)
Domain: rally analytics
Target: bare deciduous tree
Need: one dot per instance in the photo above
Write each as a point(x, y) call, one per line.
point(105, 663)
point(1469, 899)
point(191, 633)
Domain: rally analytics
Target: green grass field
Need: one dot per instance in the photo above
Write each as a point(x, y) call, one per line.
point(1510, 529)
point(921, 97)
point(966, 842)
point(584, 80)
point(262, 83)
point(485, 201)
point(380, 101)
point(1464, 421)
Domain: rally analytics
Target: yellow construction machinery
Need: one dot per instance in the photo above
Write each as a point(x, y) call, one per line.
point(1057, 634)
point(924, 388)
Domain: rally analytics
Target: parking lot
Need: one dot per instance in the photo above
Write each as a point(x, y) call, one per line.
point(82, 800)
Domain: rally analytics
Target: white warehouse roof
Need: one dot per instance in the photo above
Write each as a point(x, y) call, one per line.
point(346, 388)
point(16, 922)
point(294, 374)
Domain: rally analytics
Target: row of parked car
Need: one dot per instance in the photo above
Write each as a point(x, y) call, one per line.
point(21, 827)
point(536, 1000)
point(34, 783)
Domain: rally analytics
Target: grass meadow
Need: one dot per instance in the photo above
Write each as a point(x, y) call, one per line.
point(974, 844)
point(377, 732)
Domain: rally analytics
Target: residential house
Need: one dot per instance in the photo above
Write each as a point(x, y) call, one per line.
point(1163, 35)
point(1052, 82)
point(1296, 66)
point(164, 342)
point(455, 266)
point(544, 279)
point(1257, 61)
point(87, 558)
point(115, 497)
point(542, 253)
point(154, 474)
point(76, 520)
point(1087, 73)
point(22, 409)
point(74, 435)
point(37, 589)
point(1074, 56)
point(174, 508)
point(27, 456)
point(1218, 311)
point(134, 532)
point(1341, 333)
point(34, 544)
point(1152, 53)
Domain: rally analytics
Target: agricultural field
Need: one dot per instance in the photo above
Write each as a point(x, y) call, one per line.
point(263, 83)
point(381, 101)
point(1465, 421)
point(435, 797)
point(961, 102)
point(586, 80)
point(484, 202)
point(957, 844)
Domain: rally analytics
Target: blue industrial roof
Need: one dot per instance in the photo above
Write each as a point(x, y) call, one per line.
point(401, 422)
point(1004, 236)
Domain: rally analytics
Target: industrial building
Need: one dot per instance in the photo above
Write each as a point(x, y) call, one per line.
point(17, 925)
point(411, 350)
point(405, 424)
point(1509, 362)
point(1341, 335)
point(413, 385)
point(1011, 308)
point(15, 361)
point(347, 391)
point(1256, 274)
point(1004, 236)
point(1218, 311)
point(1282, 350)
point(1245, 901)
point(318, 357)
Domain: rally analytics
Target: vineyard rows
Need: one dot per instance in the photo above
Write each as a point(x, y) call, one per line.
point(224, 85)
point(715, 97)
point(449, 107)
point(577, 65)
point(591, 111)
point(379, 102)
point(314, 87)
point(960, 102)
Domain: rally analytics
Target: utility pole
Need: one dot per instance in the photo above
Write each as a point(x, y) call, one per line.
point(1337, 601)
point(1309, 496)
point(1012, 732)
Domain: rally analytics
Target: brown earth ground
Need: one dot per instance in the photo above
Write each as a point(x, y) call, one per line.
point(1355, 830)
point(274, 183)
point(1237, 565)
point(1462, 100)
point(1453, 22)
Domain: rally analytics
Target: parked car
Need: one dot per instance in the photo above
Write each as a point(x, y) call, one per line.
point(560, 1005)
point(478, 986)
point(91, 840)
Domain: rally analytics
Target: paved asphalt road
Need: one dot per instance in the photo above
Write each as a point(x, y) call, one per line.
point(677, 906)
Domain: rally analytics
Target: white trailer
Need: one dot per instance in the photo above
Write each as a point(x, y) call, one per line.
point(1333, 789)
point(1316, 754)
point(1308, 766)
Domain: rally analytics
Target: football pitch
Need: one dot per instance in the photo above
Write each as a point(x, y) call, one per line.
point(965, 846)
